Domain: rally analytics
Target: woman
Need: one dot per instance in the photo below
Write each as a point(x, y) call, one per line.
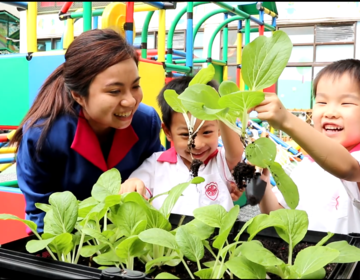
point(86, 119)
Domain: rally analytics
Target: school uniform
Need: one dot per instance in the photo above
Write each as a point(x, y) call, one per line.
point(332, 204)
point(71, 158)
point(165, 170)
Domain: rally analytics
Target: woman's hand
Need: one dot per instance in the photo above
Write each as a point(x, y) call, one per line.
point(133, 185)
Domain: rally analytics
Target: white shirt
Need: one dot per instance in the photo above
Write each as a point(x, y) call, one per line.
point(165, 170)
point(332, 204)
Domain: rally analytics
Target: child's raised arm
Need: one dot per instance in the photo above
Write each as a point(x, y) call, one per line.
point(234, 148)
point(329, 154)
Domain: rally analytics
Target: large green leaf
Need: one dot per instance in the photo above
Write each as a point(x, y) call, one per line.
point(165, 275)
point(227, 87)
point(241, 101)
point(202, 102)
point(89, 250)
point(261, 151)
point(255, 252)
point(130, 247)
point(109, 258)
point(159, 262)
point(62, 244)
point(245, 269)
point(159, 237)
point(190, 245)
point(172, 198)
point(30, 224)
point(108, 183)
point(86, 205)
point(202, 230)
point(157, 220)
point(63, 215)
point(211, 215)
point(264, 59)
point(296, 223)
point(204, 76)
point(172, 98)
point(347, 253)
point(227, 224)
point(262, 221)
point(42, 206)
point(285, 184)
point(204, 273)
point(314, 258)
point(128, 217)
point(34, 246)
point(96, 234)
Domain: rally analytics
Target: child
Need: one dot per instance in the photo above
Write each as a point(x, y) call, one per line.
point(328, 181)
point(164, 170)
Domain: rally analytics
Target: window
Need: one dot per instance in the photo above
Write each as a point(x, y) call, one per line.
point(49, 44)
point(314, 47)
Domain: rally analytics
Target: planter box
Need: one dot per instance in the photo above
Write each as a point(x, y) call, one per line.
point(16, 263)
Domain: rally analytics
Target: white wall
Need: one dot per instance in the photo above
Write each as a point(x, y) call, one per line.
point(9, 8)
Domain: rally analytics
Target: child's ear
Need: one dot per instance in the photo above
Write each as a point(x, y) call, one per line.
point(167, 132)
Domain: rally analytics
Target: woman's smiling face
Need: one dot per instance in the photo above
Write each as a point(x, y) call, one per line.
point(114, 96)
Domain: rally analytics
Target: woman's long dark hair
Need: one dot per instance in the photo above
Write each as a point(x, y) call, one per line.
point(88, 55)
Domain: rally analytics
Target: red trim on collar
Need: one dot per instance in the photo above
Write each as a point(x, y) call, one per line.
point(355, 149)
point(87, 145)
point(170, 156)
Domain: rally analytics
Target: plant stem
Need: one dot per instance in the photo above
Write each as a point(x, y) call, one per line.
point(216, 261)
point(181, 220)
point(221, 265)
point(130, 263)
point(105, 221)
point(68, 257)
point(187, 268)
point(290, 253)
point(73, 254)
point(198, 264)
point(80, 245)
point(155, 251)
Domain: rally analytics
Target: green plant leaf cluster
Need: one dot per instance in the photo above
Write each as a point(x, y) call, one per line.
point(264, 59)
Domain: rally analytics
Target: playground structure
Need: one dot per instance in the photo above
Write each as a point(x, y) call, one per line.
point(156, 67)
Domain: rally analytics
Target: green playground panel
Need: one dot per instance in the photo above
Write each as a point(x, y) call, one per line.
point(14, 97)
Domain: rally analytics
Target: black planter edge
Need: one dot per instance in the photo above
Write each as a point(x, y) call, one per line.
point(48, 268)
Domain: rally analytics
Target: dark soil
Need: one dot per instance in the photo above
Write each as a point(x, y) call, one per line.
point(243, 173)
point(194, 167)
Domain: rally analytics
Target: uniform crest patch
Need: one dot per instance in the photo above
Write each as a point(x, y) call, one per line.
point(212, 190)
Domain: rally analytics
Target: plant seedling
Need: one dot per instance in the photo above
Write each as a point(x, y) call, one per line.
point(263, 61)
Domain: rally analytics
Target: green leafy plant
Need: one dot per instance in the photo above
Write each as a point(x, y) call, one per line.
point(73, 228)
point(263, 61)
point(252, 260)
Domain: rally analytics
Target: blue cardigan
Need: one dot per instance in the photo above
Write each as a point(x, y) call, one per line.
point(71, 158)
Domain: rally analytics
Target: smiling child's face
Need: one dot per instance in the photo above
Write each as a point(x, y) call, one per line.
point(206, 141)
point(336, 112)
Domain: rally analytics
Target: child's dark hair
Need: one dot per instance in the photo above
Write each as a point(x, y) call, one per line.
point(179, 85)
point(337, 69)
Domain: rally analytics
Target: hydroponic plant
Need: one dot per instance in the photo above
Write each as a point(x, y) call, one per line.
point(263, 61)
